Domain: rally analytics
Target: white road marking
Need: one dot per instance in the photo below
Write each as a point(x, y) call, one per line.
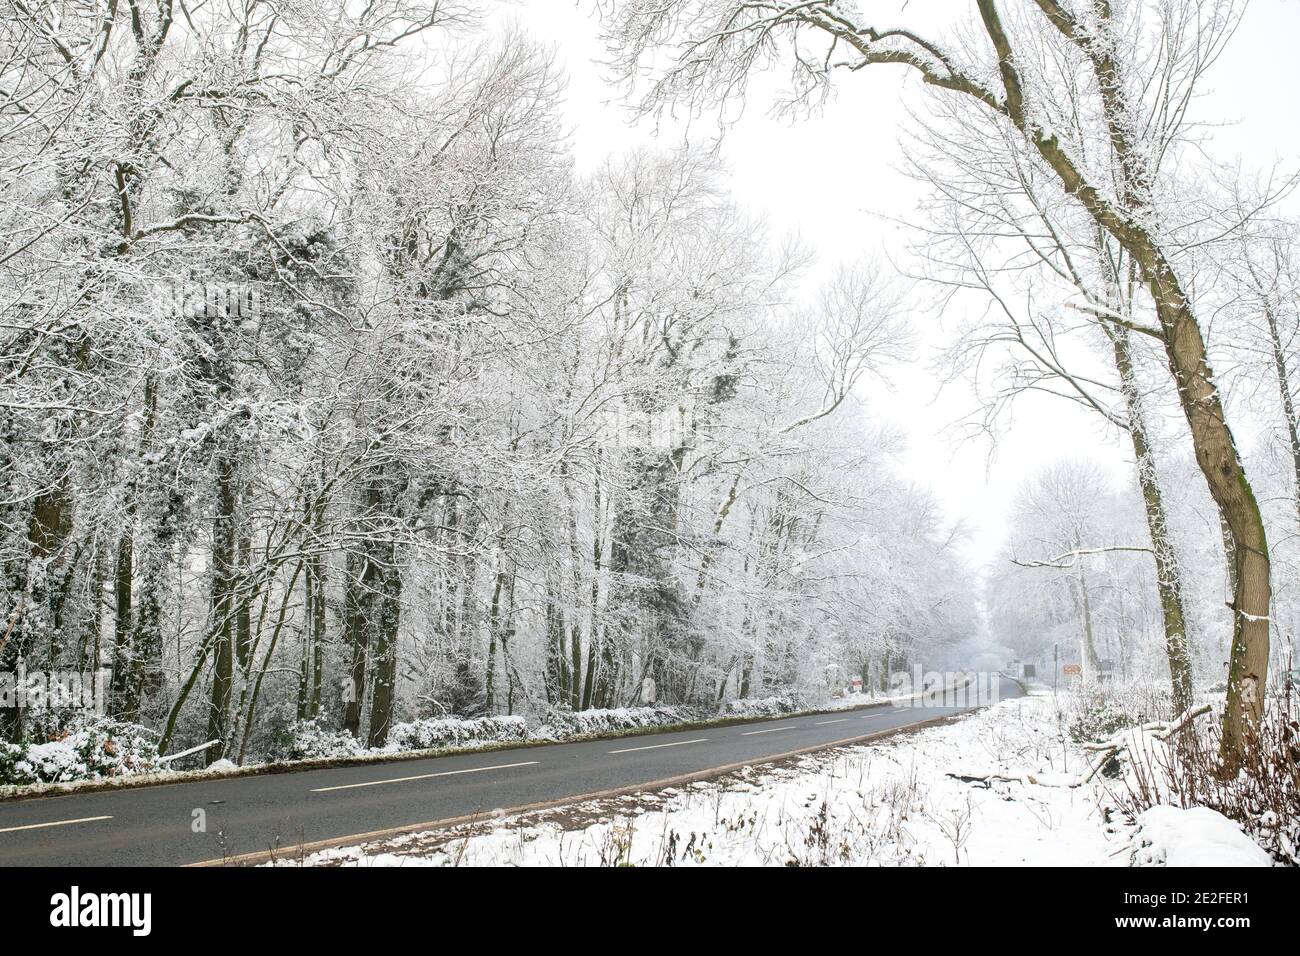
point(56, 823)
point(770, 730)
point(822, 723)
point(424, 776)
point(676, 743)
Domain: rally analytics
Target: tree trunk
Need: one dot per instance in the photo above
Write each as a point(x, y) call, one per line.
point(1180, 333)
point(1288, 403)
point(1087, 646)
point(356, 637)
point(596, 652)
point(383, 692)
point(557, 665)
point(1168, 572)
point(494, 629)
point(123, 629)
point(243, 607)
point(308, 638)
point(373, 604)
point(224, 560)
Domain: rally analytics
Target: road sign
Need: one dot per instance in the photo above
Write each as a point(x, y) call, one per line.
point(1072, 670)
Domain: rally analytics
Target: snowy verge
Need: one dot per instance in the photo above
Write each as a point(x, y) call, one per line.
point(942, 795)
point(901, 800)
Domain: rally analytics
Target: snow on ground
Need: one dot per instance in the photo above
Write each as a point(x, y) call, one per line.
point(891, 802)
point(1197, 836)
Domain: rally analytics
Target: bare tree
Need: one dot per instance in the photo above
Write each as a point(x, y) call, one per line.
point(998, 227)
point(1046, 61)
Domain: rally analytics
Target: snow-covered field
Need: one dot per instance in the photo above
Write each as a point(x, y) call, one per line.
point(899, 801)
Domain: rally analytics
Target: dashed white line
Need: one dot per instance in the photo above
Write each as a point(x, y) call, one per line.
point(676, 743)
point(424, 776)
point(770, 730)
point(55, 823)
point(822, 723)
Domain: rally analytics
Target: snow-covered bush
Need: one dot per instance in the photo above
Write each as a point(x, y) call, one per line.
point(86, 749)
point(1263, 796)
point(1097, 712)
point(452, 731)
point(11, 756)
point(572, 723)
point(1099, 719)
point(308, 740)
point(788, 703)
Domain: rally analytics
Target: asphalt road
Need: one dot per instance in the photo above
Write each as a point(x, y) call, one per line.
point(152, 826)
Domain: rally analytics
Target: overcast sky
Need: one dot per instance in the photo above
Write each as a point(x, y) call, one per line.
point(834, 179)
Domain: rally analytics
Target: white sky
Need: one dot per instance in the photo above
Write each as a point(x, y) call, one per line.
point(834, 180)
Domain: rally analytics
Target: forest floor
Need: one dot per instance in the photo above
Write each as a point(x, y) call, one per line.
point(901, 801)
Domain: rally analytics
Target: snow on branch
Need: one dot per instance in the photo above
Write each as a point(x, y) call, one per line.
point(1068, 559)
point(1115, 318)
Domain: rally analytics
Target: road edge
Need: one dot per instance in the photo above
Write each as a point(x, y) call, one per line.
point(76, 788)
point(301, 850)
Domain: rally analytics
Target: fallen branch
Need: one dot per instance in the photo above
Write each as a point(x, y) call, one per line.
point(1105, 752)
point(185, 753)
